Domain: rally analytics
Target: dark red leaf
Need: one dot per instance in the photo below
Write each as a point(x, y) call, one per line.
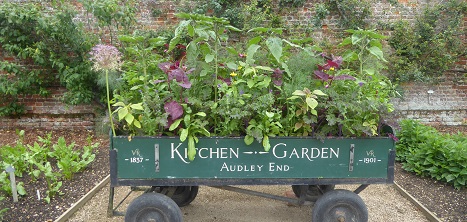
point(174, 109)
point(321, 75)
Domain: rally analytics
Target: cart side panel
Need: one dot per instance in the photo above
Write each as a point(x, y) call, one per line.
point(230, 158)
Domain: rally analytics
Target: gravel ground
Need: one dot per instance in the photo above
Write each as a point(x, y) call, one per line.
point(214, 205)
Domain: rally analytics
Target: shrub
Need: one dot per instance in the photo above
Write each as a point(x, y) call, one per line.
point(427, 48)
point(426, 152)
point(56, 47)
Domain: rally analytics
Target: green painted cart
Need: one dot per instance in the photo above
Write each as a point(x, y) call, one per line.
point(159, 166)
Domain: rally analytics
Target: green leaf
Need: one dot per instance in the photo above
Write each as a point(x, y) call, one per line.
point(377, 52)
point(175, 124)
point(190, 31)
point(192, 52)
point(248, 139)
point(292, 44)
point(450, 177)
point(356, 39)
point(259, 29)
point(119, 104)
point(250, 53)
point(286, 68)
point(20, 188)
point(183, 134)
point(158, 41)
point(266, 143)
point(250, 83)
point(312, 103)
point(126, 38)
point(294, 97)
point(137, 123)
point(269, 114)
point(200, 114)
point(254, 40)
point(346, 41)
point(298, 126)
point(318, 92)
point(299, 93)
point(232, 65)
point(137, 106)
point(209, 58)
point(122, 112)
point(232, 50)
point(129, 118)
point(203, 72)
point(233, 28)
point(205, 132)
point(178, 33)
point(191, 148)
point(274, 45)
point(350, 56)
point(265, 68)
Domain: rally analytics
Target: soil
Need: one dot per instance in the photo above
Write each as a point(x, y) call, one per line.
point(442, 199)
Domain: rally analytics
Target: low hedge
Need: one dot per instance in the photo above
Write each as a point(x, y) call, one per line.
point(427, 152)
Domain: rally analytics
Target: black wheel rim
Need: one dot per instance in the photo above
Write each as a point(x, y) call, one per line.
point(343, 212)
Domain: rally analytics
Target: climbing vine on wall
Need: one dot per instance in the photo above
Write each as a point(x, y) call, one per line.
point(49, 48)
point(425, 49)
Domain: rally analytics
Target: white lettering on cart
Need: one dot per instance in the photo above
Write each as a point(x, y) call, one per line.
point(219, 153)
point(204, 152)
point(275, 167)
point(304, 152)
point(174, 150)
point(240, 168)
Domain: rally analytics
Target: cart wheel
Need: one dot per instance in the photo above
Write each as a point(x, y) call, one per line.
point(339, 206)
point(153, 207)
point(183, 195)
point(313, 191)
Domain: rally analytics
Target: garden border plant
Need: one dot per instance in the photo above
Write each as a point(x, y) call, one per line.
point(429, 153)
point(53, 162)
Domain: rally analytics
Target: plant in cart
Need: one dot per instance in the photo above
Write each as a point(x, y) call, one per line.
point(216, 87)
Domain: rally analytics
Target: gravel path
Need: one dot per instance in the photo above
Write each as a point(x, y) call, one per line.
point(214, 205)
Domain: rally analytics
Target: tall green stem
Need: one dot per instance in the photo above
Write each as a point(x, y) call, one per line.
point(216, 64)
point(108, 101)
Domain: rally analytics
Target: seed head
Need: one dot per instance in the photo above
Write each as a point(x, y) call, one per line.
point(105, 57)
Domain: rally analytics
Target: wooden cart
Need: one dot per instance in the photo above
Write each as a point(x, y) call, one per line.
point(311, 166)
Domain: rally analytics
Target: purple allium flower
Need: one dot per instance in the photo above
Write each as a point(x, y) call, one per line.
point(105, 57)
point(360, 84)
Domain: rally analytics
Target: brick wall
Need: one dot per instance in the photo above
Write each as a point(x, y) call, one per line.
point(50, 113)
point(447, 104)
point(441, 104)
